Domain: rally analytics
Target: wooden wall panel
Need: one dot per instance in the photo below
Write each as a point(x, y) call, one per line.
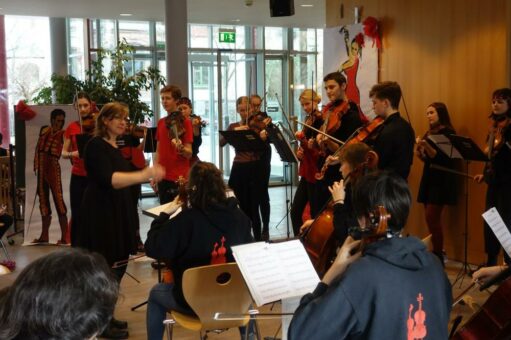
point(453, 51)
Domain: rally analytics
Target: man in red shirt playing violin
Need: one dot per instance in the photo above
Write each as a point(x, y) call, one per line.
point(172, 152)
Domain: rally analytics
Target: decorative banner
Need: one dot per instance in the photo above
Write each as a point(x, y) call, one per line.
point(33, 219)
point(348, 50)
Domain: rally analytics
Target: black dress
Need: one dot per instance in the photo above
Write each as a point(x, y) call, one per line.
point(437, 186)
point(108, 223)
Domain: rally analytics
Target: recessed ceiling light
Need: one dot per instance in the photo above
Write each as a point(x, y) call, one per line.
point(307, 5)
point(125, 14)
point(235, 20)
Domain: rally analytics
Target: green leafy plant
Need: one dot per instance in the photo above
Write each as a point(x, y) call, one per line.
point(116, 85)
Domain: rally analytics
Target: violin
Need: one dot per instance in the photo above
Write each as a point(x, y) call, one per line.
point(495, 142)
point(360, 135)
point(332, 115)
point(175, 124)
point(197, 120)
point(88, 122)
point(138, 131)
point(259, 121)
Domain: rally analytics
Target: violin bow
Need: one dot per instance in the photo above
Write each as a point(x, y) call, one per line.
point(321, 132)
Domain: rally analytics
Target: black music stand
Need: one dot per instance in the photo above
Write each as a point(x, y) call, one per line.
point(464, 148)
point(243, 140)
point(287, 156)
point(150, 141)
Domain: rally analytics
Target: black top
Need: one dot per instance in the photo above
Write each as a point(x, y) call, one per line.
point(437, 186)
point(197, 141)
point(193, 238)
point(393, 142)
point(501, 162)
point(108, 216)
point(380, 296)
point(3, 152)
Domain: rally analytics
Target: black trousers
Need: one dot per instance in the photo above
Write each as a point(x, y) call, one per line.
point(76, 190)
point(304, 194)
point(245, 181)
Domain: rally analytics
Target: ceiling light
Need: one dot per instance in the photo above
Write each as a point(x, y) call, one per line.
point(235, 20)
point(125, 14)
point(307, 5)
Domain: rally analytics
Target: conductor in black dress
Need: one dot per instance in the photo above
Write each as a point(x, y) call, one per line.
point(108, 210)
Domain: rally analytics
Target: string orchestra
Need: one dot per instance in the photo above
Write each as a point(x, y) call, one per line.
point(349, 209)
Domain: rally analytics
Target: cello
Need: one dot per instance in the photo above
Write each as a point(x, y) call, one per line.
point(319, 239)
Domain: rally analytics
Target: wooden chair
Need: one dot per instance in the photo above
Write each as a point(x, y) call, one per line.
point(211, 289)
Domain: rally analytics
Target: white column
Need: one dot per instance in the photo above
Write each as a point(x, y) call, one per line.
point(58, 42)
point(176, 43)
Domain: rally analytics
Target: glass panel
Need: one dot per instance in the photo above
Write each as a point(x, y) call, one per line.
point(108, 34)
point(275, 38)
point(136, 33)
point(160, 35)
point(199, 36)
point(304, 39)
point(94, 35)
point(254, 37)
point(76, 45)
point(304, 68)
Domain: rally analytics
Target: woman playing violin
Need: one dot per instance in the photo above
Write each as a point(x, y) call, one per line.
point(394, 289)
point(84, 124)
point(437, 188)
point(245, 178)
point(498, 176)
point(184, 104)
point(308, 154)
point(341, 118)
point(174, 149)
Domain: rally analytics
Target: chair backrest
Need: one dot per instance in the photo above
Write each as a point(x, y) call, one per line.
point(216, 288)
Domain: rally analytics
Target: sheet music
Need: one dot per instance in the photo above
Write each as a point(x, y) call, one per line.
point(445, 145)
point(275, 271)
point(494, 220)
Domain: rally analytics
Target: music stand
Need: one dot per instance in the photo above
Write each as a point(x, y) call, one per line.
point(464, 148)
point(288, 156)
point(243, 140)
point(150, 141)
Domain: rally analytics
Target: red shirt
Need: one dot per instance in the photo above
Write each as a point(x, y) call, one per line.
point(308, 165)
point(175, 164)
point(134, 155)
point(78, 166)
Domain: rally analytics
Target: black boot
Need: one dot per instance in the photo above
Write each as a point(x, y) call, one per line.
point(114, 333)
point(119, 324)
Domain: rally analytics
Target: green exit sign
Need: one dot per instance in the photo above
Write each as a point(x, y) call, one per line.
point(227, 36)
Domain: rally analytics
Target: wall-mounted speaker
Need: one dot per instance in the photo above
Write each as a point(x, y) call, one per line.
point(282, 8)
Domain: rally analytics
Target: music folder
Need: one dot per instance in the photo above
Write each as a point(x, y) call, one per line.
point(459, 147)
point(243, 140)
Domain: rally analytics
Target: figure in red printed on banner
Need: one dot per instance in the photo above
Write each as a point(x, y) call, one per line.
point(350, 66)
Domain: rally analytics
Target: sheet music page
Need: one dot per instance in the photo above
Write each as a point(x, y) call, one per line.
point(494, 220)
point(275, 271)
point(297, 266)
point(445, 145)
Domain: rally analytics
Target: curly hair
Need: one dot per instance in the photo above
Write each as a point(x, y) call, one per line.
point(205, 185)
point(68, 294)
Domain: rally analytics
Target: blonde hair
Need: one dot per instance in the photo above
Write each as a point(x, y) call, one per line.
point(109, 111)
point(310, 95)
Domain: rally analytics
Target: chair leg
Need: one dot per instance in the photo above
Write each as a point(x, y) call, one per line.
point(169, 324)
point(5, 250)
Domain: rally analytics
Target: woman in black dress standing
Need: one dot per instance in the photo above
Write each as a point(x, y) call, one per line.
point(108, 211)
point(437, 187)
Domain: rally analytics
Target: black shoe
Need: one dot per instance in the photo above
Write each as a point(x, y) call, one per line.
point(114, 333)
point(119, 324)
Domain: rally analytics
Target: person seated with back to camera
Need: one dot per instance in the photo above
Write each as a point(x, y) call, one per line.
point(68, 294)
point(393, 289)
point(207, 212)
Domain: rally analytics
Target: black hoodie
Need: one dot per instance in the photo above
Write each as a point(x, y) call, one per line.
point(193, 238)
point(397, 290)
